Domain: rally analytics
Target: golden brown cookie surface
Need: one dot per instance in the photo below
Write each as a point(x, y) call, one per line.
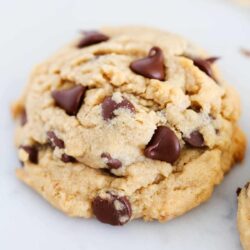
point(244, 216)
point(132, 121)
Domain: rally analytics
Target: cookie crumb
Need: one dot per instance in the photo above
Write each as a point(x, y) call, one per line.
point(245, 52)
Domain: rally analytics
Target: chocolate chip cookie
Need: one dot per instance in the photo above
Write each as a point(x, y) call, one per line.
point(127, 123)
point(244, 215)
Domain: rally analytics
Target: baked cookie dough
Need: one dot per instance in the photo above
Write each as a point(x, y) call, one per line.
point(127, 123)
point(244, 216)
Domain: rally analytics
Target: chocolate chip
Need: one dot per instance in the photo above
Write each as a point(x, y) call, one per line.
point(151, 66)
point(163, 146)
point(23, 118)
point(247, 185)
point(67, 158)
point(71, 99)
point(126, 104)
point(195, 139)
point(32, 151)
point(112, 209)
point(205, 64)
point(111, 162)
point(238, 190)
point(54, 140)
point(109, 106)
point(92, 37)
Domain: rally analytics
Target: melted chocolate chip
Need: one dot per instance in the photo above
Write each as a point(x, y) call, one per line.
point(23, 118)
point(151, 66)
point(32, 151)
point(195, 140)
point(112, 209)
point(238, 191)
point(205, 64)
point(247, 185)
point(67, 158)
point(109, 106)
point(111, 162)
point(126, 104)
point(54, 140)
point(163, 146)
point(71, 99)
point(92, 37)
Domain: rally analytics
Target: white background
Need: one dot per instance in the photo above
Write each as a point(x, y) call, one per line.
point(29, 32)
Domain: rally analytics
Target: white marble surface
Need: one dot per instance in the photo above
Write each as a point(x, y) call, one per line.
point(30, 31)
